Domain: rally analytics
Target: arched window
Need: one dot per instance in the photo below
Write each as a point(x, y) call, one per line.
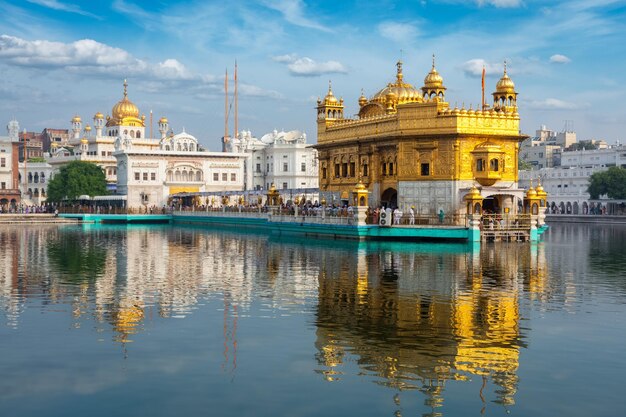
point(36, 177)
point(167, 147)
point(177, 176)
point(383, 168)
point(138, 134)
point(199, 176)
point(132, 134)
point(30, 177)
point(480, 165)
point(42, 177)
point(36, 193)
point(493, 164)
point(169, 176)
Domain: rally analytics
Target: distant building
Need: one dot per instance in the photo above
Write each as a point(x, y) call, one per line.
point(544, 149)
point(280, 158)
point(9, 180)
point(97, 144)
point(35, 188)
point(58, 136)
point(33, 143)
point(148, 177)
point(567, 184)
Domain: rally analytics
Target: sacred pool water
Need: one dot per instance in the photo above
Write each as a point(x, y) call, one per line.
point(163, 321)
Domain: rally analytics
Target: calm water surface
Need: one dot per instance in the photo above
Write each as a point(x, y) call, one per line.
point(163, 321)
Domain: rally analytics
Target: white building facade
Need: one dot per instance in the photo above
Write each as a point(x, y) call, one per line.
point(567, 185)
point(149, 177)
point(280, 158)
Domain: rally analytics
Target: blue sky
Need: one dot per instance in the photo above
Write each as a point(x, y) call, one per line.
point(64, 57)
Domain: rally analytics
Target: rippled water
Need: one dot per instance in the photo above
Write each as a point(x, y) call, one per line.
point(137, 321)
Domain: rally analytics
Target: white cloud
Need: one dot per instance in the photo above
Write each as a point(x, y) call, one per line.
point(70, 8)
point(287, 58)
point(474, 68)
point(307, 67)
point(554, 104)
point(559, 59)
point(500, 3)
point(91, 58)
point(293, 12)
point(398, 32)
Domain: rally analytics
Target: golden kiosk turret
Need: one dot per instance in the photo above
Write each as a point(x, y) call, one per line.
point(474, 201)
point(531, 201)
point(359, 195)
point(273, 196)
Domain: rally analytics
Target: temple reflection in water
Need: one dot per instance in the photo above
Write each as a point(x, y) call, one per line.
point(415, 321)
point(412, 317)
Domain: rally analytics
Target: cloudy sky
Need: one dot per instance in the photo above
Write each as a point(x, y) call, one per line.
point(64, 57)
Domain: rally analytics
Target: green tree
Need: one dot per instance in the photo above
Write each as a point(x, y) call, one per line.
point(583, 144)
point(611, 182)
point(524, 165)
point(75, 179)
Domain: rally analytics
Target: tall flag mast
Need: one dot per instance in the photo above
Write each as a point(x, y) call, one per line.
point(483, 87)
point(236, 111)
point(225, 140)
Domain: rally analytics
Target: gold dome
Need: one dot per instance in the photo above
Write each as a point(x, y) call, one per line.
point(125, 107)
point(84, 140)
point(540, 191)
point(473, 194)
point(163, 120)
point(76, 119)
point(531, 192)
point(404, 92)
point(433, 80)
point(330, 97)
point(505, 84)
point(88, 128)
point(99, 116)
point(362, 99)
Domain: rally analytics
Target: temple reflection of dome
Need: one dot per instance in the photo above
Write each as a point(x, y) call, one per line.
point(126, 320)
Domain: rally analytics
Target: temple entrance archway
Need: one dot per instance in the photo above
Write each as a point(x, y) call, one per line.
point(389, 198)
point(491, 205)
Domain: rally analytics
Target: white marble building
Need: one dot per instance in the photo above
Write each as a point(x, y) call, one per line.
point(567, 185)
point(148, 176)
point(282, 158)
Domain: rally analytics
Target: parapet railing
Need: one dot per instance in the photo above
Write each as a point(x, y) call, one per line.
point(220, 213)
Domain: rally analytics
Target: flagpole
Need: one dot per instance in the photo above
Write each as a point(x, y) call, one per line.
point(483, 88)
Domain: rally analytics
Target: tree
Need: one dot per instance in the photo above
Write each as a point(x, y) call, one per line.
point(583, 144)
point(611, 182)
point(75, 179)
point(524, 165)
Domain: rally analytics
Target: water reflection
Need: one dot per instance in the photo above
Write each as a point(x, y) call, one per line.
point(412, 318)
point(415, 320)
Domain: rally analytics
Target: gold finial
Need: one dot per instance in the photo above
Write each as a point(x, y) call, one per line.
point(433, 61)
point(505, 67)
point(330, 87)
point(531, 182)
point(125, 88)
point(399, 65)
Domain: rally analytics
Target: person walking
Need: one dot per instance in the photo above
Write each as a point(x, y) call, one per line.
point(412, 215)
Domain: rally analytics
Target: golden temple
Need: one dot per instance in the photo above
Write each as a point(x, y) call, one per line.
point(411, 148)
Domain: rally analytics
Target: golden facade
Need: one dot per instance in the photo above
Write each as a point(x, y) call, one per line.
point(410, 148)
